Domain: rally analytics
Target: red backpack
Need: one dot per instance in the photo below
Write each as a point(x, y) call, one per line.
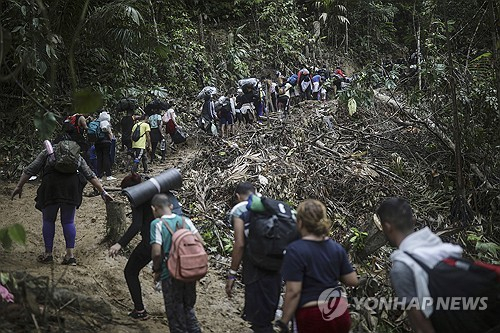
point(187, 260)
point(70, 124)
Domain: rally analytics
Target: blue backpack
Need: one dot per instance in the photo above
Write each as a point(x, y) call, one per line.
point(94, 132)
point(293, 79)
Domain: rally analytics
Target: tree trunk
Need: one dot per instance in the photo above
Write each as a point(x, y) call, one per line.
point(116, 220)
point(494, 41)
point(201, 28)
point(460, 210)
point(346, 38)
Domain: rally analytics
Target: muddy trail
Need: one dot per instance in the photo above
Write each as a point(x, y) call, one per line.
point(99, 276)
point(349, 162)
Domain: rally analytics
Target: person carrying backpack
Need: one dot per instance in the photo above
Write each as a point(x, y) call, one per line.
point(261, 270)
point(170, 126)
point(103, 146)
point(429, 271)
point(64, 175)
point(284, 98)
point(313, 264)
point(179, 296)
point(304, 83)
point(225, 114)
point(141, 143)
point(142, 216)
point(76, 126)
point(155, 124)
point(208, 116)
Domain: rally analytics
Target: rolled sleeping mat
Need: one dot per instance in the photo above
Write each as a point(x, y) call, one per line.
point(168, 180)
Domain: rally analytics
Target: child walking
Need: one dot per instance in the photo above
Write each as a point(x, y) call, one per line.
point(179, 297)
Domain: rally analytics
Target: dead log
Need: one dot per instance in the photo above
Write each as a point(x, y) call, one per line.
point(116, 221)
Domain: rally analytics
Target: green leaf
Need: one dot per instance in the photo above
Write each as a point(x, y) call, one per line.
point(5, 239)
point(4, 278)
point(351, 106)
point(484, 55)
point(488, 247)
point(45, 123)
point(17, 233)
point(87, 101)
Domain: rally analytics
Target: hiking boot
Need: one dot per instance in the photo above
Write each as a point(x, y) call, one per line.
point(141, 315)
point(69, 261)
point(45, 258)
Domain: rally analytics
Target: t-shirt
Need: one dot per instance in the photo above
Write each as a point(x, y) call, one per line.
point(403, 282)
point(141, 143)
point(238, 211)
point(154, 121)
point(127, 123)
point(318, 264)
point(161, 235)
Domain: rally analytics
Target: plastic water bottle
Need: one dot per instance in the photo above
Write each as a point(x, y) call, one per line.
point(163, 144)
point(50, 150)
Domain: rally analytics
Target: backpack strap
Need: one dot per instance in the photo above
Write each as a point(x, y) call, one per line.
point(426, 268)
point(168, 227)
point(184, 226)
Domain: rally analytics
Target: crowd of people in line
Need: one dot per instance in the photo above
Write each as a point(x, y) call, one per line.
point(308, 263)
point(300, 254)
point(255, 98)
point(97, 140)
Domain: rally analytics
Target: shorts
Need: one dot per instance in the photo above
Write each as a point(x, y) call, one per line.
point(226, 119)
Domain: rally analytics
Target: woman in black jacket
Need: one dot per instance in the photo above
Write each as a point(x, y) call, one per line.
point(141, 255)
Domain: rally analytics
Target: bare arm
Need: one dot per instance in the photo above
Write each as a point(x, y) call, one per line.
point(82, 122)
point(97, 184)
point(419, 322)
point(292, 297)
point(156, 256)
point(350, 279)
point(238, 248)
point(19, 187)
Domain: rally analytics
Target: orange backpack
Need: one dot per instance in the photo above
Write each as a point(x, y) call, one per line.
point(187, 260)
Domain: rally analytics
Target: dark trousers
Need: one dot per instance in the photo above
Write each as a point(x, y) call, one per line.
point(155, 139)
point(180, 298)
point(102, 151)
point(140, 156)
point(139, 258)
point(274, 101)
point(261, 302)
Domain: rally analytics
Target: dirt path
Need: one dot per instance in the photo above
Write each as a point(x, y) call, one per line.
point(99, 275)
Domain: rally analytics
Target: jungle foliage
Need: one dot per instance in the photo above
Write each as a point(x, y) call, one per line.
point(439, 57)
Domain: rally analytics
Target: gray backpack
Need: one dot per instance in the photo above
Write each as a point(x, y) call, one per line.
point(67, 156)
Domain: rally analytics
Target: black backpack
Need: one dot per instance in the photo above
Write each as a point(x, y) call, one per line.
point(269, 234)
point(457, 278)
point(136, 135)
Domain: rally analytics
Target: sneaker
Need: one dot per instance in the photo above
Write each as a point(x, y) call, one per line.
point(110, 178)
point(45, 258)
point(141, 315)
point(69, 261)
